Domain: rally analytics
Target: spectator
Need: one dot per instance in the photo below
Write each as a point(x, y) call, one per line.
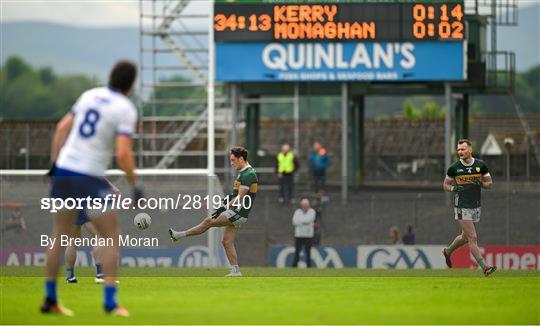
point(16, 221)
point(409, 237)
point(286, 166)
point(304, 229)
point(319, 162)
point(395, 235)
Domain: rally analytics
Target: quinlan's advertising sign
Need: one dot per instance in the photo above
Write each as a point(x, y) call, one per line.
point(351, 61)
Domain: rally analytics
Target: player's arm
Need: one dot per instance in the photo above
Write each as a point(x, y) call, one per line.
point(126, 162)
point(224, 206)
point(448, 185)
point(124, 146)
point(237, 202)
point(114, 188)
point(487, 182)
point(63, 127)
point(125, 159)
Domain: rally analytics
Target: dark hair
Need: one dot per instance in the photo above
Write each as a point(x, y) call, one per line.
point(123, 76)
point(239, 152)
point(464, 140)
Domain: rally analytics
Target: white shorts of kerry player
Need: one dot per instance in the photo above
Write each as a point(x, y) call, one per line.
point(467, 214)
point(234, 218)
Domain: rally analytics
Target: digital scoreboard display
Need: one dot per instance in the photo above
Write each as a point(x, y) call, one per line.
point(340, 40)
point(315, 22)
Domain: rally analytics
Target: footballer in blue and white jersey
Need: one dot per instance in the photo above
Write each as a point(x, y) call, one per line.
point(100, 114)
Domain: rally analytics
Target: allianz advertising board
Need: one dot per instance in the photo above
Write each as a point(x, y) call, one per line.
point(191, 256)
point(341, 61)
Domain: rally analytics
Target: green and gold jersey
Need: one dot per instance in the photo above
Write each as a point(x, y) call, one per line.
point(247, 179)
point(464, 175)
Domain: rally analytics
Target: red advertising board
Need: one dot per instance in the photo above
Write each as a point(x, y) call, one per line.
point(504, 257)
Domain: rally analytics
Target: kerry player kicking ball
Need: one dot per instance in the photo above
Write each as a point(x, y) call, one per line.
point(470, 175)
point(235, 211)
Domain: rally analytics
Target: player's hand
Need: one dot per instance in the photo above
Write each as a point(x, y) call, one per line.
point(218, 211)
point(225, 201)
point(478, 182)
point(115, 190)
point(457, 188)
point(137, 194)
point(52, 170)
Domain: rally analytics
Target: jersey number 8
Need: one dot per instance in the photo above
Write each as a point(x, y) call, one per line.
point(88, 126)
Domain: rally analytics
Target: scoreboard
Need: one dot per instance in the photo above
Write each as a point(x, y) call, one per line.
point(340, 41)
point(343, 22)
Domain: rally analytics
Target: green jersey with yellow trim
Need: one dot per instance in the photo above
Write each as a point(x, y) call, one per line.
point(247, 179)
point(463, 175)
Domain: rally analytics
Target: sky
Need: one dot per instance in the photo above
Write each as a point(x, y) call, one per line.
point(96, 13)
point(84, 13)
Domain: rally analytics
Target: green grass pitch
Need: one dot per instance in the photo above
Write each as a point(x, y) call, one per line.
point(284, 296)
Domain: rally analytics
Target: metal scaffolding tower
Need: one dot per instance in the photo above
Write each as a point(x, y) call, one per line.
point(174, 86)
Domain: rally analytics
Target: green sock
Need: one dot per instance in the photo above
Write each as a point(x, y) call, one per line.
point(450, 249)
point(481, 263)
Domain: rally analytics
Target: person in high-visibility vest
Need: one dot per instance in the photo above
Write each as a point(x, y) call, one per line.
point(286, 166)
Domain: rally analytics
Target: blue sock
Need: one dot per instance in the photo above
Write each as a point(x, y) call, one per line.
point(110, 297)
point(70, 273)
point(50, 290)
point(99, 272)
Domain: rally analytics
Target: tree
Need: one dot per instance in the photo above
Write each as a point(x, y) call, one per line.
point(410, 112)
point(15, 67)
point(430, 111)
point(528, 89)
point(46, 75)
point(28, 93)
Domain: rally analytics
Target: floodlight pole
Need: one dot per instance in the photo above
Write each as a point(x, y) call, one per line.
point(344, 134)
point(140, 157)
point(508, 143)
point(211, 95)
point(448, 131)
point(296, 109)
point(212, 233)
point(234, 122)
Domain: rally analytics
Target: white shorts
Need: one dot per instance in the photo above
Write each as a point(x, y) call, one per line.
point(234, 218)
point(467, 214)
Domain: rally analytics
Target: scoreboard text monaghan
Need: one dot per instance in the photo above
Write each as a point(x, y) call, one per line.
point(442, 21)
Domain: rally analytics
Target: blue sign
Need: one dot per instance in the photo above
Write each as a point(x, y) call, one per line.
point(364, 256)
point(346, 61)
point(321, 257)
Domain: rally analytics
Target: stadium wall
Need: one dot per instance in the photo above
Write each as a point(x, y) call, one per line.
point(363, 257)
